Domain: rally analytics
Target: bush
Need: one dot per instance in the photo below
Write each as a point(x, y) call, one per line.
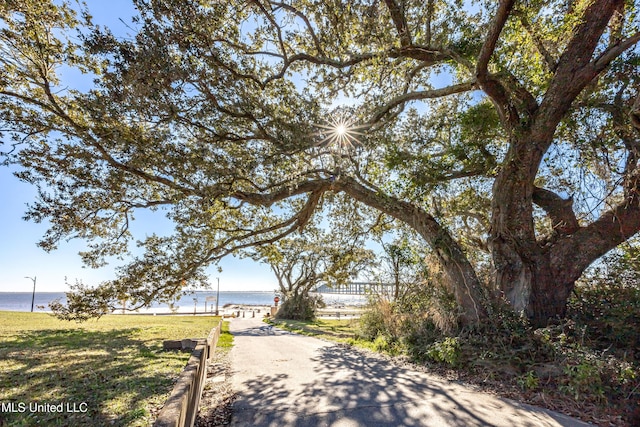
point(606, 304)
point(446, 351)
point(607, 314)
point(300, 307)
point(597, 377)
point(376, 320)
point(528, 381)
point(423, 314)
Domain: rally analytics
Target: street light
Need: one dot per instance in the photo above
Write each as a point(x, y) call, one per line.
point(217, 295)
point(33, 296)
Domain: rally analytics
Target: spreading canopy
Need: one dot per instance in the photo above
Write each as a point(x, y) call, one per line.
point(471, 123)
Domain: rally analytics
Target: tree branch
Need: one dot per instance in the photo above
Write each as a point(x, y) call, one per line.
point(304, 18)
point(560, 210)
point(228, 247)
point(274, 24)
point(525, 100)
point(400, 21)
point(489, 84)
point(575, 252)
point(549, 60)
point(467, 289)
point(318, 60)
point(489, 46)
point(268, 199)
point(427, 94)
point(635, 113)
point(428, 20)
point(614, 51)
point(575, 68)
point(428, 55)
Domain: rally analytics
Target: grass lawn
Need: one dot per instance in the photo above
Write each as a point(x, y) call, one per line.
point(343, 331)
point(331, 329)
point(111, 372)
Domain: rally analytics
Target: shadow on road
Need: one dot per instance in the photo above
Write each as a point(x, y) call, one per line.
point(259, 331)
point(353, 388)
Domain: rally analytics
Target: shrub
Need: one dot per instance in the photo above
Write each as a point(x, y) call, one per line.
point(608, 315)
point(300, 307)
point(420, 322)
point(376, 320)
point(528, 381)
point(445, 351)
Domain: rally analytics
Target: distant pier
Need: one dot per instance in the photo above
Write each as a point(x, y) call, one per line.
point(358, 288)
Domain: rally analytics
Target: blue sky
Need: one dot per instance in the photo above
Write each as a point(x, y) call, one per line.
point(21, 257)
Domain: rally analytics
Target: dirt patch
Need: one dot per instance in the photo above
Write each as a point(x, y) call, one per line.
point(218, 396)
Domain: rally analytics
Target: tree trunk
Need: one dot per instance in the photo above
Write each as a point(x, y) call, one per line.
point(467, 288)
point(516, 255)
point(537, 278)
point(550, 293)
point(531, 286)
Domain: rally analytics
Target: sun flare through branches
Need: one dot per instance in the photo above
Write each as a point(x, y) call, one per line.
point(340, 134)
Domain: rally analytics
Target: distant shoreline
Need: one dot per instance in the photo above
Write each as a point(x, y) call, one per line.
point(198, 300)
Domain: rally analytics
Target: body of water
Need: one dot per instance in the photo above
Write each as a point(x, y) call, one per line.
point(21, 301)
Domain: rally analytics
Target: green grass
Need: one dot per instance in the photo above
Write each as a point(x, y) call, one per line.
point(114, 367)
point(340, 331)
point(334, 330)
point(226, 339)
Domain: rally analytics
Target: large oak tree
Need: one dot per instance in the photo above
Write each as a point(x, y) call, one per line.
point(508, 127)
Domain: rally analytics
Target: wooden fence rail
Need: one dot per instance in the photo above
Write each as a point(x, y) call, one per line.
point(181, 408)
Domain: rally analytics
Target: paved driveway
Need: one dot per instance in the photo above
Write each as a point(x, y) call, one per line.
point(283, 379)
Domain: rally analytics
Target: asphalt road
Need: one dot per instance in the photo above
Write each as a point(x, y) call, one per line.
point(284, 379)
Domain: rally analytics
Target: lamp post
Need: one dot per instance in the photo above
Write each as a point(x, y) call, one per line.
point(217, 295)
point(33, 296)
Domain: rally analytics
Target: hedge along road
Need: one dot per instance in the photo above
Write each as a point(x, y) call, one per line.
point(285, 379)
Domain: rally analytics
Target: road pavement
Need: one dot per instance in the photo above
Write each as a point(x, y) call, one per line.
point(284, 379)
